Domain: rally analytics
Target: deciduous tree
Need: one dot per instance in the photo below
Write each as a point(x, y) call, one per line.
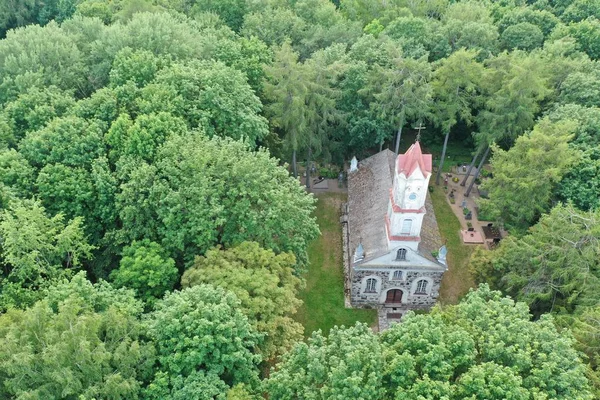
point(265, 284)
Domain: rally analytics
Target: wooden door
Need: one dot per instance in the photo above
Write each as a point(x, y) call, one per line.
point(394, 296)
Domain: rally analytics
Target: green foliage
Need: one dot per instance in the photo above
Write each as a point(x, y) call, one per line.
point(587, 35)
point(522, 36)
point(486, 347)
point(514, 88)
point(581, 88)
point(553, 267)
point(146, 269)
point(543, 19)
point(36, 251)
point(32, 110)
point(201, 329)
point(526, 175)
point(248, 197)
point(39, 57)
point(346, 364)
point(581, 185)
point(75, 345)
point(216, 98)
point(264, 283)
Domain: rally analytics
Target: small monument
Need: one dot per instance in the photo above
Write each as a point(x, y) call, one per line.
point(353, 164)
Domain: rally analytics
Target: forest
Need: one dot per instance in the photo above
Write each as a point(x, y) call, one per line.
point(153, 231)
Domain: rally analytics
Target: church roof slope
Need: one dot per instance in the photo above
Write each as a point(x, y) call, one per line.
point(368, 197)
point(408, 162)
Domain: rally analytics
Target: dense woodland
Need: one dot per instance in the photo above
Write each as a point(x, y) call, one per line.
point(153, 234)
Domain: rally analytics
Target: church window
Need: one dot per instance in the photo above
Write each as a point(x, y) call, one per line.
point(371, 286)
point(397, 276)
point(401, 255)
point(421, 287)
point(406, 226)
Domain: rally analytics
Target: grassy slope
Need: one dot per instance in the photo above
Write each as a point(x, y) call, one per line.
point(457, 280)
point(324, 294)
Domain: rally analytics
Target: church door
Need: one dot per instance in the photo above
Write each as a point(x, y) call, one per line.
point(394, 296)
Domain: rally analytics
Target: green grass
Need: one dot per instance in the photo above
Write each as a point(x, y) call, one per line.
point(323, 296)
point(458, 279)
point(455, 152)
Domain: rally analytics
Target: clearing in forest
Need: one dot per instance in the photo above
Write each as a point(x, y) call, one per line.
point(323, 296)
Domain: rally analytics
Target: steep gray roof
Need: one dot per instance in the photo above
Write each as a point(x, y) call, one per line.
point(368, 198)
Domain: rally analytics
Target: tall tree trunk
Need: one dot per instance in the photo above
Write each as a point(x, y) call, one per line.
point(464, 181)
point(294, 167)
point(380, 146)
point(487, 151)
point(399, 133)
point(439, 173)
point(308, 169)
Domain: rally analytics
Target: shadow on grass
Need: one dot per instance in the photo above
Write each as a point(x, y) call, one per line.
point(323, 296)
point(458, 279)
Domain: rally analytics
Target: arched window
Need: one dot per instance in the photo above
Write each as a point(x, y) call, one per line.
point(406, 226)
point(401, 255)
point(397, 276)
point(371, 286)
point(421, 287)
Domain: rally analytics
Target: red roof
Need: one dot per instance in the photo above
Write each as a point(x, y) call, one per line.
point(414, 157)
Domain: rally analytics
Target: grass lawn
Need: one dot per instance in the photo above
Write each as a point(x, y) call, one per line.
point(455, 153)
point(458, 279)
point(323, 296)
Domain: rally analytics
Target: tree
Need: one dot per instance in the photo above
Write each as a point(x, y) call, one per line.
point(523, 36)
point(146, 269)
point(46, 56)
point(543, 19)
point(553, 267)
point(402, 93)
point(32, 110)
point(514, 89)
point(587, 34)
point(301, 101)
point(580, 10)
point(264, 283)
point(274, 26)
point(486, 347)
point(581, 185)
point(526, 175)
point(585, 326)
point(248, 197)
point(37, 251)
point(587, 130)
point(346, 364)
point(581, 88)
point(201, 330)
point(456, 87)
point(216, 98)
point(83, 341)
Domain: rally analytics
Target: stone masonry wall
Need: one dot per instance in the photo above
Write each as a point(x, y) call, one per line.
point(409, 301)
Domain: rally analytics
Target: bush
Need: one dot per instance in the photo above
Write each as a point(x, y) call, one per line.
point(466, 211)
point(331, 173)
point(455, 179)
point(452, 200)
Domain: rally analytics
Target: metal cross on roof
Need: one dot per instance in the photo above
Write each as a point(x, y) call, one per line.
point(419, 128)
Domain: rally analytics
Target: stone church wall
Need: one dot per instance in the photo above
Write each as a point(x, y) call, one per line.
point(409, 301)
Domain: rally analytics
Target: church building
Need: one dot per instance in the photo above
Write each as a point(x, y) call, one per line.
point(395, 258)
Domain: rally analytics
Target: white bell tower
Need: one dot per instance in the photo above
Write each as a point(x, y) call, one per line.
point(406, 207)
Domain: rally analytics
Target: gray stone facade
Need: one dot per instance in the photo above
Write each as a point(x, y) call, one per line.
point(410, 301)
